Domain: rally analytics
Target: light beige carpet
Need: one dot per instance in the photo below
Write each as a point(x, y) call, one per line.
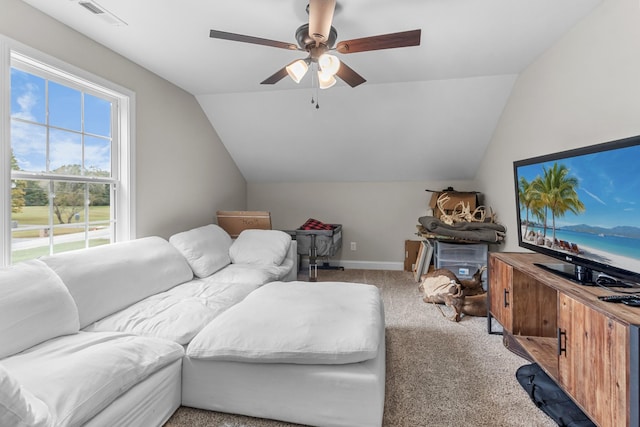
point(439, 373)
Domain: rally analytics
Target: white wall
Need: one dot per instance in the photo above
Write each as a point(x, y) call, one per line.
point(378, 216)
point(184, 173)
point(583, 91)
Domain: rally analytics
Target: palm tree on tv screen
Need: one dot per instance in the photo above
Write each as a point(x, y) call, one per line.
point(557, 192)
point(530, 201)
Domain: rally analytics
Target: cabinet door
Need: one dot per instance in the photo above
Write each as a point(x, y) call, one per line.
point(500, 291)
point(592, 361)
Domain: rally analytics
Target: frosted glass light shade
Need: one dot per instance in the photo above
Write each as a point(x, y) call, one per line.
point(329, 64)
point(297, 70)
point(325, 80)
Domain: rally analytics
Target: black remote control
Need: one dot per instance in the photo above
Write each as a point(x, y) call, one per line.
point(618, 298)
point(632, 302)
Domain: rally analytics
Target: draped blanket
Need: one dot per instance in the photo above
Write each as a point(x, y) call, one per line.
point(478, 231)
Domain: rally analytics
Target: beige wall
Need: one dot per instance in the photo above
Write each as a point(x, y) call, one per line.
point(585, 90)
point(183, 171)
point(378, 216)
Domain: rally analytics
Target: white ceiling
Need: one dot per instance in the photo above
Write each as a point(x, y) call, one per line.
point(425, 113)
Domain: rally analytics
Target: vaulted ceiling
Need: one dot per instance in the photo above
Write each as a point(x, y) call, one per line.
point(425, 112)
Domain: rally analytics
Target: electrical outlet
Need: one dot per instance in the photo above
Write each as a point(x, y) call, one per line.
point(354, 246)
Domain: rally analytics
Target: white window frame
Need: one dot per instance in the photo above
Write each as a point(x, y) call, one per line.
point(124, 201)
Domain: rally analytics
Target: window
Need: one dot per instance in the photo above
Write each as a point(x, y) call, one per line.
point(69, 155)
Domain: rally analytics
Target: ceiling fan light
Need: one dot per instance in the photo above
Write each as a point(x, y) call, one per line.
point(297, 70)
point(325, 80)
point(329, 64)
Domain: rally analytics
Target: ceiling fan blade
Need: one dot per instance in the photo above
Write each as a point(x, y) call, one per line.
point(215, 34)
point(276, 77)
point(320, 18)
point(349, 76)
point(384, 41)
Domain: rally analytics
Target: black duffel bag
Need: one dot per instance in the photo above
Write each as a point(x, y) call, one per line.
point(549, 397)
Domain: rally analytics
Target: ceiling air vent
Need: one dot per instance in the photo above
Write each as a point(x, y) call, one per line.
point(91, 7)
point(101, 12)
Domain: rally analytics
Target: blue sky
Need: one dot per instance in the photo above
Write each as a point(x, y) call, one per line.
point(609, 186)
point(28, 102)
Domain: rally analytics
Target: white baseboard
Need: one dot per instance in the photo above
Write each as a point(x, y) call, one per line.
point(372, 265)
point(359, 265)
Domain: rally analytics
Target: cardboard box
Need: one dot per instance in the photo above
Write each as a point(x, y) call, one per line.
point(411, 248)
point(234, 222)
point(455, 197)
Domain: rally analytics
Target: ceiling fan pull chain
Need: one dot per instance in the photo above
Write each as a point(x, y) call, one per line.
point(313, 79)
point(315, 84)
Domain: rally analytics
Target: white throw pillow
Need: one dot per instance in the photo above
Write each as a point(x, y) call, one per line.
point(261, 247)
point(18, 407)
point(205, 248)
point(35, 306)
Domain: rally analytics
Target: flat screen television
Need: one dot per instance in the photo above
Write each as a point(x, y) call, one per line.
point(582, 207)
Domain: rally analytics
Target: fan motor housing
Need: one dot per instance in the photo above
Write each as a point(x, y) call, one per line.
point(306, 42)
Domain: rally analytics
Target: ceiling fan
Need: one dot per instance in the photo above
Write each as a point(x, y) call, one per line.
point(317, 39)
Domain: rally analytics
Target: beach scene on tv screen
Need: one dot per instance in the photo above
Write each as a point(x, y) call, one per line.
point(586, 205)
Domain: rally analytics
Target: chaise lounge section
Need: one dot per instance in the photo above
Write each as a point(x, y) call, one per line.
point(308, 353)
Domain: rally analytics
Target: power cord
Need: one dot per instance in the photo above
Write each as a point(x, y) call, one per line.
point(608, 282)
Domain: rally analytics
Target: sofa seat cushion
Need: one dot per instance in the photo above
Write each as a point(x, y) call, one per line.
point(105, 279)
point(79, 375)
point(215, 294)
point(260, 247)
point(18, 407)
point(252, 273)
point(177, 314)
point(35, 306)
point(297, 322)
point(206, 249)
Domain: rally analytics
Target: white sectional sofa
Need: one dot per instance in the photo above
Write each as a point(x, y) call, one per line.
point(123, 334)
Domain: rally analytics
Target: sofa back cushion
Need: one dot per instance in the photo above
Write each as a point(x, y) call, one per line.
point(205, 248)
point(35, 306)
point(106, 279)
point(260, 247)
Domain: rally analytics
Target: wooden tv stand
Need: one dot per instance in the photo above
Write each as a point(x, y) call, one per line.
point(589, 347)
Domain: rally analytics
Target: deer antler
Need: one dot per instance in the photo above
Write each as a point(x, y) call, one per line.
point(478, 215)
point(462, 212)
point(441, 203)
